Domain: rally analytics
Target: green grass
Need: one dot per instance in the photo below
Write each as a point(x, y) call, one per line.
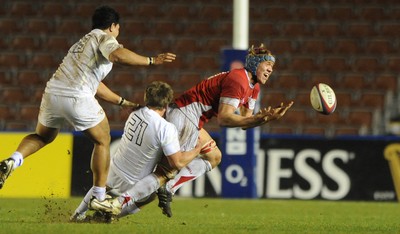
point(209, 216)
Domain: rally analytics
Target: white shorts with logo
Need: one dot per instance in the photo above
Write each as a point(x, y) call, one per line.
point(82, 113)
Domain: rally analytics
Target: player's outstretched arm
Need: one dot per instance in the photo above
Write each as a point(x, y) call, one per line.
point(269, 114)
point(125, 56)
point(228, 118)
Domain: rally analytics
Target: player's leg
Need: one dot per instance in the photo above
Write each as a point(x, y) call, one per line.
point(210, 158)
point(29, 145)
point(135, 206)
point(100, 162)
point(80, 212)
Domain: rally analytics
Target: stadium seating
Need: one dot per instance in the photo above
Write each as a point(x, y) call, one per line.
point(307, 12)
point(58, 43)
point(360, 29)
point(30, 78)
point(340, 12)
point(13, 95)
point(318, 130)
point(25, 8)
point(373, 12)
point(6, 113)
point(385, 82)
point(179, 11)
point(381, 46)
point(334, 63)
point(353, 47)
point(389, 29)
point(39, 25)
point(29, 113)
point(54, 9)
point(12, 59)
point(282, 45)
point(8, 25)
point(314, 45)
point(328, 28)
point(44, 60)
point(346, 46)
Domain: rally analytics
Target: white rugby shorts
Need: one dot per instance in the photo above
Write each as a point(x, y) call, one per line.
point(82, 113)
point(116, 183)
point(186, 124)
point(119, 186)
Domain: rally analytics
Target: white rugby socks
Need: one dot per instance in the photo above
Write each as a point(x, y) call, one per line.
point(83, 206)
point(18, 159)
point(144, 187)
point(194, 169)
point(99, 192)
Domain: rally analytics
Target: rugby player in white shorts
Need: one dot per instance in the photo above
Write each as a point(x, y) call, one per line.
point(147, 137)
point(218, 96)
point(70, 96)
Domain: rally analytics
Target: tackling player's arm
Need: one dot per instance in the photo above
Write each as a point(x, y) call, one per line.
point(180, 159)
point(169, 165)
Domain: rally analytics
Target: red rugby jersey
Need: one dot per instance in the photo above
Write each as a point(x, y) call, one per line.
point(233, 88)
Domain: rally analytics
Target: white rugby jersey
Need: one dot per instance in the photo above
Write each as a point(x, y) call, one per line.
point(146, 137)
point(85, 66)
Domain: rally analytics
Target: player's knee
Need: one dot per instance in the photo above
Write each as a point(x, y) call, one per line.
point(217, 157)
point(102, 139)
point(214, 157)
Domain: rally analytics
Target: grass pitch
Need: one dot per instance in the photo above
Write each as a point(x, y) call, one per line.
point(208, 216)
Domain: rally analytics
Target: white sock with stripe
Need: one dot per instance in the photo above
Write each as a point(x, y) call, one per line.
point(194, 169)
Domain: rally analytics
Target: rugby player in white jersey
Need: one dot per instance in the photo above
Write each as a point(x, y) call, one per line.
point(146, 138)
point(70, 96)
point(218, 96)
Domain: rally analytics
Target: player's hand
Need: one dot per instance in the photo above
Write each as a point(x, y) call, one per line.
point(164, 57)
point(130, 105)
point(269, 113)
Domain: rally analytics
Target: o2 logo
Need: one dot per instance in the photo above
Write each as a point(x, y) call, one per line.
point(234, 174)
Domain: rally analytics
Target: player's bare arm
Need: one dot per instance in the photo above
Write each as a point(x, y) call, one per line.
point(181, 159)
point(246, 112)
point(228, 118)
point(169, 165)
point(269, 114)
point(279, 111)
point(106, 94)
point(125, 56)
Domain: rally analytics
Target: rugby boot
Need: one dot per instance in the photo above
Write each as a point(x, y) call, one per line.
point(164, 200)
point(6, 167)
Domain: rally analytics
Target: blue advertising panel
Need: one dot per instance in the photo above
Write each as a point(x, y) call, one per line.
point(238, 162)
point(238, 147)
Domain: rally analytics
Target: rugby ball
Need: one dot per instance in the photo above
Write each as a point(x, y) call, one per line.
point(323, 98)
